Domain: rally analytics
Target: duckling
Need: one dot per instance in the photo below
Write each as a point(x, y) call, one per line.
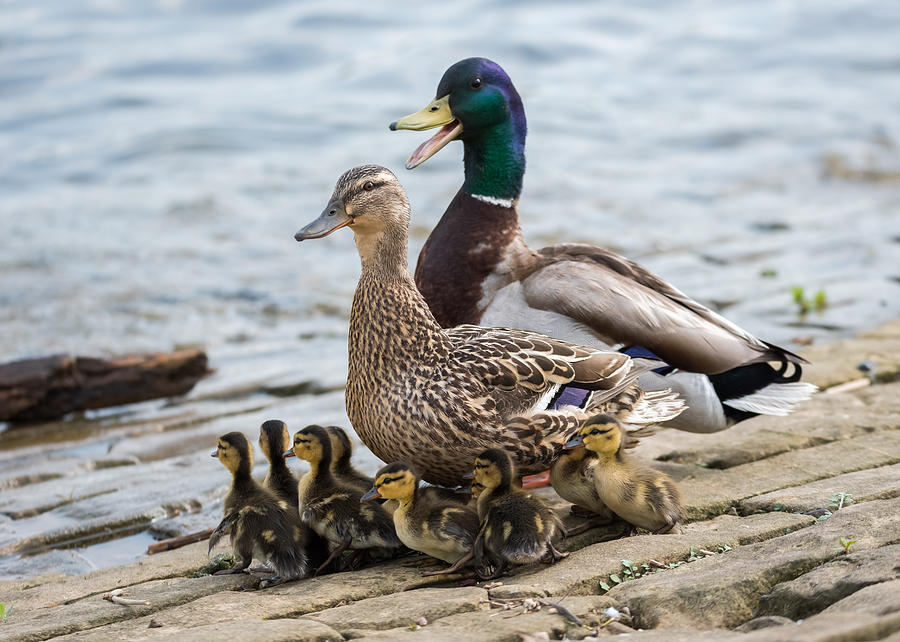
point(572, 477)
point(424, 522)
point(341, 454)
point(331, 507)
point(273, 440)
point(516, 527)
point(262, 523)
point(642, 496)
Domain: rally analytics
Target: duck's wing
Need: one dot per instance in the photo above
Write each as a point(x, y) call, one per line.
point(619, 299)
point(512, 359)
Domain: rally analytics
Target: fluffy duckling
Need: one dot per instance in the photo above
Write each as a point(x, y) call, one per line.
point(572, 477)
point(273, 441)
point(516, 527)
point(262, 524)
point(642, 496)
point(424, 522)
point(341, 454)
point(331, 507)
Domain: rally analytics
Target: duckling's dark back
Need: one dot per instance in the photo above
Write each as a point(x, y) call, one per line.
point(517, 526)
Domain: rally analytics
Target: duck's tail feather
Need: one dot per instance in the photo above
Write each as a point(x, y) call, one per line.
point(760, 389)
point(655, 407)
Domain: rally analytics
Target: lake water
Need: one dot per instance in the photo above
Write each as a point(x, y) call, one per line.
point(157, 157)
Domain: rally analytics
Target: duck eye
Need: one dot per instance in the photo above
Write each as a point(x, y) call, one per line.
point(369, 186)
point(475, 83)
point(595, 432)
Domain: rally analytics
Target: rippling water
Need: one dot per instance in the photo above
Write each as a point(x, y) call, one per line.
point(157, 157)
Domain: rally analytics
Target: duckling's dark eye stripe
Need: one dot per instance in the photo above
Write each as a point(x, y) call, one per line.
point(388, 480)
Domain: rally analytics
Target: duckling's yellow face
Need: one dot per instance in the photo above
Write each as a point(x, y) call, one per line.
point(229, 455)
point(487, 474)
point(601, 437)
point(398, 485)
point(477, 489)
point(307, 447)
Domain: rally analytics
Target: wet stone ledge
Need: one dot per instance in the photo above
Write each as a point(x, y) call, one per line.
point(750, 565)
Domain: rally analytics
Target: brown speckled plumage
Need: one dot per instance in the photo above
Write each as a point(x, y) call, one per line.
point(439, 397)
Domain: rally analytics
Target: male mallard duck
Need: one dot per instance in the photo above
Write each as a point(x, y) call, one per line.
point(439, 397)
point(262, 524)
point(642, 496)
point(476, 268)
point(424, 522)
point(516, 527)
point(572, 477)
point(332, 507)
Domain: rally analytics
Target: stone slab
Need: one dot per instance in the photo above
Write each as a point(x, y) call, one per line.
point(864, 485)
point(584, 569)
point(724, 591)
point(392, 611)
point(713, 494)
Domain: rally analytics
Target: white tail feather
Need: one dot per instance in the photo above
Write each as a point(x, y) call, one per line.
point(655, 406)
point(775, 399)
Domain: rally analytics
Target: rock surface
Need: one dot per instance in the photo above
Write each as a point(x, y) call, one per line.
point(749, 565)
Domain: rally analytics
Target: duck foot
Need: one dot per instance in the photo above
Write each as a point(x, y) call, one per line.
point(462, 561)
point(594, 522)
point(434, 580)
point(343, 546)
point(665, 529)
point(274, 581)
point(555, 555)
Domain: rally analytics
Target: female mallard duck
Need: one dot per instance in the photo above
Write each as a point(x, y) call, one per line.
point(516, 527)
point(439, 397)
point(262, 524)
point(476, 268)
point(332, 507)
point(424, 522)
point(642, 496)
point(572, 477)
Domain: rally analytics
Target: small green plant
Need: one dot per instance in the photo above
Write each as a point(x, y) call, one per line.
point(839, 500)
point(5, 610)
point(818, 302)
point(768, 273)
point(846, 544)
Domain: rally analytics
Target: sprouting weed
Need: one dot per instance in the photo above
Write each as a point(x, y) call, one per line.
point(846, 544)
point(839, 500)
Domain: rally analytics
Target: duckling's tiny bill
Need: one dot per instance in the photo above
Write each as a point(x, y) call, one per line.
point(574, 443)
point(287, 453)
point(371, 494)
point(332, 218)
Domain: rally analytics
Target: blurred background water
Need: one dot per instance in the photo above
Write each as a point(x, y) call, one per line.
point(157, 157)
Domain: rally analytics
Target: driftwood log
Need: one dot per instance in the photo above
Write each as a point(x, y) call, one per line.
point(49, 387)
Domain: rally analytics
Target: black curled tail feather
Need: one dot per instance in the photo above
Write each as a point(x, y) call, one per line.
point(747, 380)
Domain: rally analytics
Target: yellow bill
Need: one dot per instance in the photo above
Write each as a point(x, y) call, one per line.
point(436, 114)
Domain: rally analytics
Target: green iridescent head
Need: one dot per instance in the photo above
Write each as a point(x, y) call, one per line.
point(476, 103)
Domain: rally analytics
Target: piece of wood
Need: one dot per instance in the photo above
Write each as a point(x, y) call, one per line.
point(49, 387)
point(177, 542)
